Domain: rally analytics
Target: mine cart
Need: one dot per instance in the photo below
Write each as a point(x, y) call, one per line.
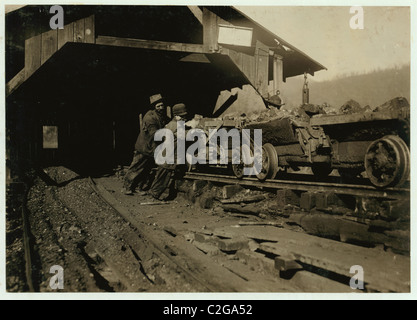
point(375, 142)
point(216, 125)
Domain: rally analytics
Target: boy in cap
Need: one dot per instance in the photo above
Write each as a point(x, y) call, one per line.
point(164, 177)
point(143, 159)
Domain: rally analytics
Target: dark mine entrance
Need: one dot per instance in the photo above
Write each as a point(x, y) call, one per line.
point(81, 108)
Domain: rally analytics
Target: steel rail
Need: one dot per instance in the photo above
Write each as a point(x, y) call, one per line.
point(23, 188)
point(338, 188)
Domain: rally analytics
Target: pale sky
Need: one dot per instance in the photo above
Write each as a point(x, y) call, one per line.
point(324, 34)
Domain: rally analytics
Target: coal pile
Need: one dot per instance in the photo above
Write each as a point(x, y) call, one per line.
point(305, 112)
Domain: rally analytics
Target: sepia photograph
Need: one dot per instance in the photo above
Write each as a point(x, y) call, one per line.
point(175, 149)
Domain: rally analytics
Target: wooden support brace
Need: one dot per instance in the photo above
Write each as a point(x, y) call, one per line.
point(197, 12)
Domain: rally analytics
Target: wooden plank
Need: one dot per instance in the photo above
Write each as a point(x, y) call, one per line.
point(285, 236)
point(14, 83)
point(244, 61)
point(49, 44)
point(235, 56)
point(65, 35)
point(79, 30)
point(150, 44)
point(384, 271)
point(262, 64)
point(32, 55)
point(248, 66)
point(89, 29)
point(265, 233)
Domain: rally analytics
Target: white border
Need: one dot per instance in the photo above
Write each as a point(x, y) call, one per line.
point(212, 296)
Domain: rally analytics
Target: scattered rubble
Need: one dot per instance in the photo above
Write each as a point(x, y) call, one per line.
point(350, 107)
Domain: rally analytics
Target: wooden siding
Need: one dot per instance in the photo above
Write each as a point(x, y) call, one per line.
point(40, 48)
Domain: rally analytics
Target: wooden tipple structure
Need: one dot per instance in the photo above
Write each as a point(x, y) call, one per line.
point(85, 84)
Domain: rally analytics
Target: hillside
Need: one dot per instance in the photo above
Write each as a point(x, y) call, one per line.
point(368, 89)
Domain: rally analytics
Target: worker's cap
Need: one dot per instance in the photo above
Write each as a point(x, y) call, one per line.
point(155, 99)
point(179, 109)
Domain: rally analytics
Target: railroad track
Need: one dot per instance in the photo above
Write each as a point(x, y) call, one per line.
point(193, 263)
point(27, 245)
point(310, 186)
point(163, 251)
point(212, 263)
point(312, 254)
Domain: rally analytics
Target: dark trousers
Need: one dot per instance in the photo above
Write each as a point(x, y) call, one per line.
point(139, 171)
point(164, 179)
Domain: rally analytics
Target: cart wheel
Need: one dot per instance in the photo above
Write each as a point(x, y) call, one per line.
point(387, 162)
point(269, 162)
point(245, 156)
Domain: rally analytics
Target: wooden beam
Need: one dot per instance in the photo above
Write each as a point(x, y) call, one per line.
point(150, 44)
point(196, 57)
point(225, 105)
point(14, 83)
point(197, 12)
point(278, 73)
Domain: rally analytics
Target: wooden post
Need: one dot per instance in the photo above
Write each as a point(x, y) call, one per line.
point(278, 73)
point(262, 64)
point(210, 30)
point(89, 31)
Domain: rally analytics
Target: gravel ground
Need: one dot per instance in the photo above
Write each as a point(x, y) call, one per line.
point(15, 263)
point(73, 228)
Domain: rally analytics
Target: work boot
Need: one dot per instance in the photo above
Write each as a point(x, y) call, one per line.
point(154, 196)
